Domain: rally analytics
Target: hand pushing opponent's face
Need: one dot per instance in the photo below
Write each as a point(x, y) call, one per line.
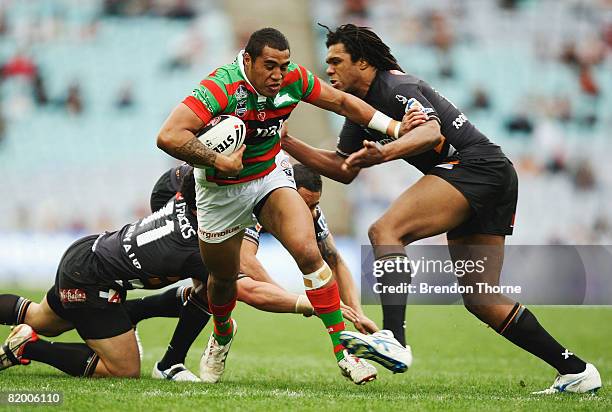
point(267, 71)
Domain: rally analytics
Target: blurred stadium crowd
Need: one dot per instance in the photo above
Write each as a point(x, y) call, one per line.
point(86, 85)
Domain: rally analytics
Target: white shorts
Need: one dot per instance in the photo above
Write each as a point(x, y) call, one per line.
point(224, 211)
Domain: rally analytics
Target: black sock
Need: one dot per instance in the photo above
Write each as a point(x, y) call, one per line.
point(394, 320)
point(394, 304)
point(167, 304)
point(13, 309)
point(76, 359)
point(523, 329)
point(192, 320)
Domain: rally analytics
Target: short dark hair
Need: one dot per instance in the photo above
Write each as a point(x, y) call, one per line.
point(362, 43)
point(265, 37)
point(188, 190)
point(307, 178)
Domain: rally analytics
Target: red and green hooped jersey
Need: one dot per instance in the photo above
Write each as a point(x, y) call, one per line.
point(228, 91)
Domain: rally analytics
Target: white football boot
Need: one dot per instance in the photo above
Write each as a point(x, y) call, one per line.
point(176, 373)
point(587, 381)
point(11, 352)
point(359, 371)
point(212, 363)
point(381, 347)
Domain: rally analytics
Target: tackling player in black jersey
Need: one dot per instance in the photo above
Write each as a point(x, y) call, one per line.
point(90, 261)
point(91, 284)
point(468, 191)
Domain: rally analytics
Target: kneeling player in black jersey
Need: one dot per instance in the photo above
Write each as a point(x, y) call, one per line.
point(91, 284)
point(50, 318)
point(469, 191)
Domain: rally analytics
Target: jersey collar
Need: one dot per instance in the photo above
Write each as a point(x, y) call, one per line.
point(239, 58)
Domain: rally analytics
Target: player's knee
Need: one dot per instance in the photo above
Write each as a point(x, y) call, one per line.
point(385, 232)
point(378, 232)
point(307, 256)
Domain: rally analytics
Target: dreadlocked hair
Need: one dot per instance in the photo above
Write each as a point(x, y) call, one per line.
point(362, 43)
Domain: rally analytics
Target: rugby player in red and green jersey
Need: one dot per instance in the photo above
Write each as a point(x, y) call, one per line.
point(261, 87)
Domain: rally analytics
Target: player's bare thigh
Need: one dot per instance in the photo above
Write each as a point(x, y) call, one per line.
point(429, 207)
point(45, 321)
point(118, 355)
point(287, 218)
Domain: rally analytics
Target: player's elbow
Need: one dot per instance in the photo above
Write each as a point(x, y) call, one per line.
point(165, 140)
point(347, 177)
point(435, 139)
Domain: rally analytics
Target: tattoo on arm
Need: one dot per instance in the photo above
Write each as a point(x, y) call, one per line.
point(329, 253)
point(195, 153)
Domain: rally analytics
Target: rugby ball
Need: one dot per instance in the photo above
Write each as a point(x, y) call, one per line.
point(224, 134)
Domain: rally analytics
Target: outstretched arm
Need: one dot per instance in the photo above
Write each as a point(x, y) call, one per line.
point(356, 110)
point(326, 162)
point(419, 134)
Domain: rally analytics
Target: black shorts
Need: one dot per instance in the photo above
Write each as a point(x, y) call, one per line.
point(95, 309)
point(490, 186)
point(162, 192)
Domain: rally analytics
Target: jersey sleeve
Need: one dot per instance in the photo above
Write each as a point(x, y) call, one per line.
point(320, 224)
point(311, 85)
point(406, 96)
point(350, 139)
point(209, 99)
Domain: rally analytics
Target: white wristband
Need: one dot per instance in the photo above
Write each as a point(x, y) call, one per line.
point(397, 129)
point(379, 122)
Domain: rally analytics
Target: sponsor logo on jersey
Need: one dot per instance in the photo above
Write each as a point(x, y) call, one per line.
point(241, 93)
point(261, 116)
point(73, 295)
point(186, 229)
point(459, 121)
point(203, 96)
point(402, 99)
point(241, 96)
point(282, 98)
point(287, 168)
point(112, 296)
point(215, 235)
point(412, 102)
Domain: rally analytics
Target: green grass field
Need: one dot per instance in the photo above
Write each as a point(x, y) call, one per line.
point(284, 362)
